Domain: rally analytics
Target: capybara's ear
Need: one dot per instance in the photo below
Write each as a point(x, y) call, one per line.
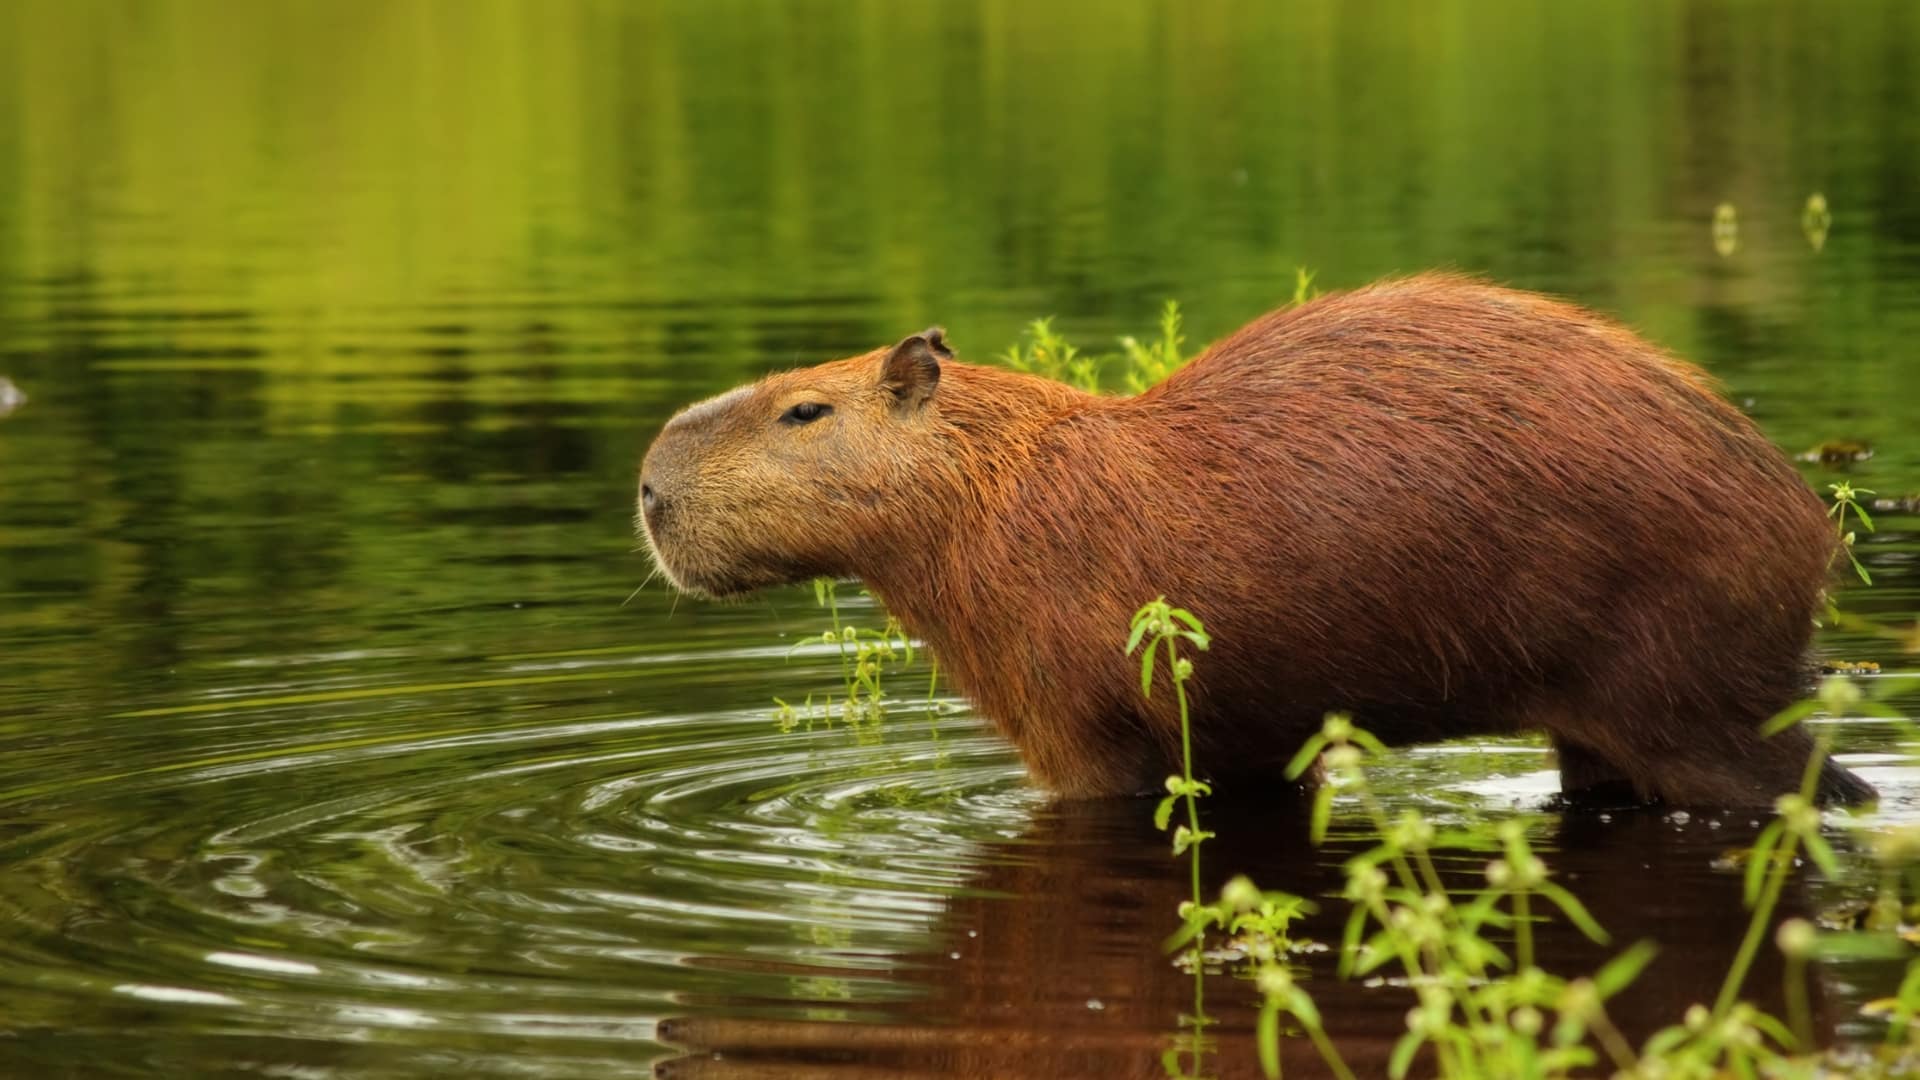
point(911, 371)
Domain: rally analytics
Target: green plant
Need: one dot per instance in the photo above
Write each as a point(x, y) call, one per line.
point(865, 656)
point(1303, 289)
point(1148, 364)
point(1161, 627)
point(1481, 1011)
point(1046, 354)
point(1138, 366)
point(1846, 500)
point(1256, 919)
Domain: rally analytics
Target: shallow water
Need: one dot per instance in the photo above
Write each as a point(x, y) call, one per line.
point(328, 747)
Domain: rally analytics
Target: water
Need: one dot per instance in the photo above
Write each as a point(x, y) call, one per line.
point(328, 747)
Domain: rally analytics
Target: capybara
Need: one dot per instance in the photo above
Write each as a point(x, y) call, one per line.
point(1446, 507)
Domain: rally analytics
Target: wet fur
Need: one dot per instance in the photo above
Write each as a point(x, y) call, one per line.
point(1446, 507)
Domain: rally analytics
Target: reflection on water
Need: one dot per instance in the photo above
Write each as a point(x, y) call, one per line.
point(1044, 974)
point(329, 337)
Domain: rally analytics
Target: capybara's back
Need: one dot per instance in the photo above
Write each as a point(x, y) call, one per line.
point(1446, 507)
point(1477, 509)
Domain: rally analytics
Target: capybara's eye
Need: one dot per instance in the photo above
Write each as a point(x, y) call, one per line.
point(805, 413)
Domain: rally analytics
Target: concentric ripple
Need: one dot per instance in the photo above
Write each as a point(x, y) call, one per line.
point(465, 866)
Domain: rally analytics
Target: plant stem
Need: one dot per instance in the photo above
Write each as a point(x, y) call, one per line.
point(1522, 932)
point(1799, 1012)
point(839, 641)
point(1615, 1043)
point(1186, 765)
point(1770, 892)
point(1327, 1052)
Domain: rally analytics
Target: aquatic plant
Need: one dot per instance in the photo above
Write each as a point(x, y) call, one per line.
point(1485, 1006)
point(1726, 229)
point(1148, 364)
point(1846, 500)
point(1481, 1011)
point(1161, 628)
point(1044, 353)
point(1137, 367)
point(865, 656)
point(1816, 220)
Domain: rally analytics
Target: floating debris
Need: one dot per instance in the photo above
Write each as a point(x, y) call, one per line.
point(1726, 229)
point(1849, 667)
point(1850, 914)
point(1903, 504)
point(1837, 452)
point(1815, 220)
point(11, 396)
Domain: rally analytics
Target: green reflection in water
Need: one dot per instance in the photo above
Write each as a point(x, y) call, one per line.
point(325, 742)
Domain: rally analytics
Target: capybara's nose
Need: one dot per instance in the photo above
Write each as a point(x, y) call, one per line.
point(651, 505)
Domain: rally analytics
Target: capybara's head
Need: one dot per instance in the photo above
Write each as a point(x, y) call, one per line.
point(794, 476)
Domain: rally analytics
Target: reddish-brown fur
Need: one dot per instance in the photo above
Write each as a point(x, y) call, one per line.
point(1447, 507)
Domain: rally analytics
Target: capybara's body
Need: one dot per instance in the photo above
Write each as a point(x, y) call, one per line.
point(1445, 507)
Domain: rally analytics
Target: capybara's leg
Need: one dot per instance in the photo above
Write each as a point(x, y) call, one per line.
point(1586, 778)
point(1695, 757)
point(1739, 766)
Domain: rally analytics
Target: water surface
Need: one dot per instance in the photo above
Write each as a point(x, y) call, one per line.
point(334, 738)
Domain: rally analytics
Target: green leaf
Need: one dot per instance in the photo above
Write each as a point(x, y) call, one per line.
point(1860, 945)
point(1196, 925)
point(1403, 1052)
point(1163, 813)
point(1308, 754)
point(1302, 1006)
point(1322, 814)
point(1267, 1038)
point(1569, 1029)
point(1481, 911)
point(1568, 1060)
point(1367, 742)
point(1146, 670)
point(1788, 717)
point(1186, 616)
point(1822, 854)
point(1759, 859)
point(1858, 567)
point(1663, 1042)
point(1350, 940)
point(1575, 911)
point(1774, 1029)
point(1623, 969)
point(1139, 631)
point(1375, 952)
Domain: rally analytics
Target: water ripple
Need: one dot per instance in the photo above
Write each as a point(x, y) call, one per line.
point(498, 873)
